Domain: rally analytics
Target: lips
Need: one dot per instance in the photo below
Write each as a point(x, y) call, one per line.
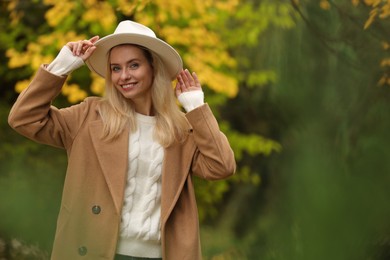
point(128, 86)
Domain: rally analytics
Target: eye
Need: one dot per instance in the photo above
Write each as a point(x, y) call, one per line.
point(115, 68)
point(134, 65)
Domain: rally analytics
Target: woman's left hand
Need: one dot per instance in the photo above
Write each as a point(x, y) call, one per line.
point(187, 82)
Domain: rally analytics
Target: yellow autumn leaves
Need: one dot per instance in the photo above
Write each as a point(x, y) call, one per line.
point(58, 12)
point(102, 12)
point(34, 57)
point(204, 56)
point(205, 52)
point(184, 24)
point(67, 17)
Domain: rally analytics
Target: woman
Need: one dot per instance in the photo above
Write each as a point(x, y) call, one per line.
point(128, 192)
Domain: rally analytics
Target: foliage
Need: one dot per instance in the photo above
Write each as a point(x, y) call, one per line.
point(327, 193)
point(69, 20)
point(294, 85)
point(210, 35)
point(378, 16)
point(16, 249)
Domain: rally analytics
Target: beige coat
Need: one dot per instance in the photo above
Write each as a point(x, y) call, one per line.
point(90, 213)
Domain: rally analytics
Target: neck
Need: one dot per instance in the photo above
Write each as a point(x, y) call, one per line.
point(143, 107)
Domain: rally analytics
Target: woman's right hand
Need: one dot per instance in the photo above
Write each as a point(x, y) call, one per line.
point(83, 48)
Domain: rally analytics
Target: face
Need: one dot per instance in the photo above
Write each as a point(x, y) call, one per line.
point(131, 73)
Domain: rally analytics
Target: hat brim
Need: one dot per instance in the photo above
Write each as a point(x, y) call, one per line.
point(97, 62)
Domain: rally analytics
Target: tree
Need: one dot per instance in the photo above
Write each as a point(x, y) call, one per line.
point(34, 32)
point(326, 197)
point(377, 20)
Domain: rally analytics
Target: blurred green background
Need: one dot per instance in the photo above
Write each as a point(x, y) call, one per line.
point(301, 89)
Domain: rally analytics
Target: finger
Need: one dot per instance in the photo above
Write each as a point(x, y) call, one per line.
point(90, 50)
point(75, 45)
point(71, 46)
point(178, 89)
point(94, 39)
point(196, 79)
point(86, 47)
point(88, 53)
point(179, 80)
point(182, 85)
point(191, 80)
point(82, 46)
point(186, 76)
point(79, 48)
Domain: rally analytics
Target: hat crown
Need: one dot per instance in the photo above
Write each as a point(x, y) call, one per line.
point(129, 32)
point(134, 28)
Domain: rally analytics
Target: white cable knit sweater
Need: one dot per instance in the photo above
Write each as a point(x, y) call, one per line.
point(140, 227)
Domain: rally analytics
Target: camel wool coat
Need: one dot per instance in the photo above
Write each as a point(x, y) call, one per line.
point(90, 212)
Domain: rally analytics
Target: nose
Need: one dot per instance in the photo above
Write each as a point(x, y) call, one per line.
point(125, 74)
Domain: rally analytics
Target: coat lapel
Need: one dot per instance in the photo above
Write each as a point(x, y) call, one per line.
point(176, 170)
point(113, 157)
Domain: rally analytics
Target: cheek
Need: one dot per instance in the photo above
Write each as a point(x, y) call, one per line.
point(150, 76)
point(114, 78)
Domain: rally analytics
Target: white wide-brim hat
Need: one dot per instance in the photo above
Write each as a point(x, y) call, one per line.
point(134, 33)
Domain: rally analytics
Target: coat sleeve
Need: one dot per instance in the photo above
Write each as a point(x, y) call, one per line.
point(214, 158)
point(33, 116)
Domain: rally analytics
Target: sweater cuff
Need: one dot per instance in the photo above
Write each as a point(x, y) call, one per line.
point(65, 62)
point(191, 99)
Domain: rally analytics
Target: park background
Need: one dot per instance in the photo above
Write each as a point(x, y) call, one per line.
point(301, 88)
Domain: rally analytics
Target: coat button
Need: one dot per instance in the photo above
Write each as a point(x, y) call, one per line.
point(83, 250)
point(96, 209)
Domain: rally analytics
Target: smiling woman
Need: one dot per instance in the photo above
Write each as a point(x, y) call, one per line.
point(132, 75)
point(131, 154)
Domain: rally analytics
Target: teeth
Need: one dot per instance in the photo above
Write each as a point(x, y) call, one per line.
point(128, 86)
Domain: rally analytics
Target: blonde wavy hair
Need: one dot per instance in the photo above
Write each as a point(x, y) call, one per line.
point(118, 113)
